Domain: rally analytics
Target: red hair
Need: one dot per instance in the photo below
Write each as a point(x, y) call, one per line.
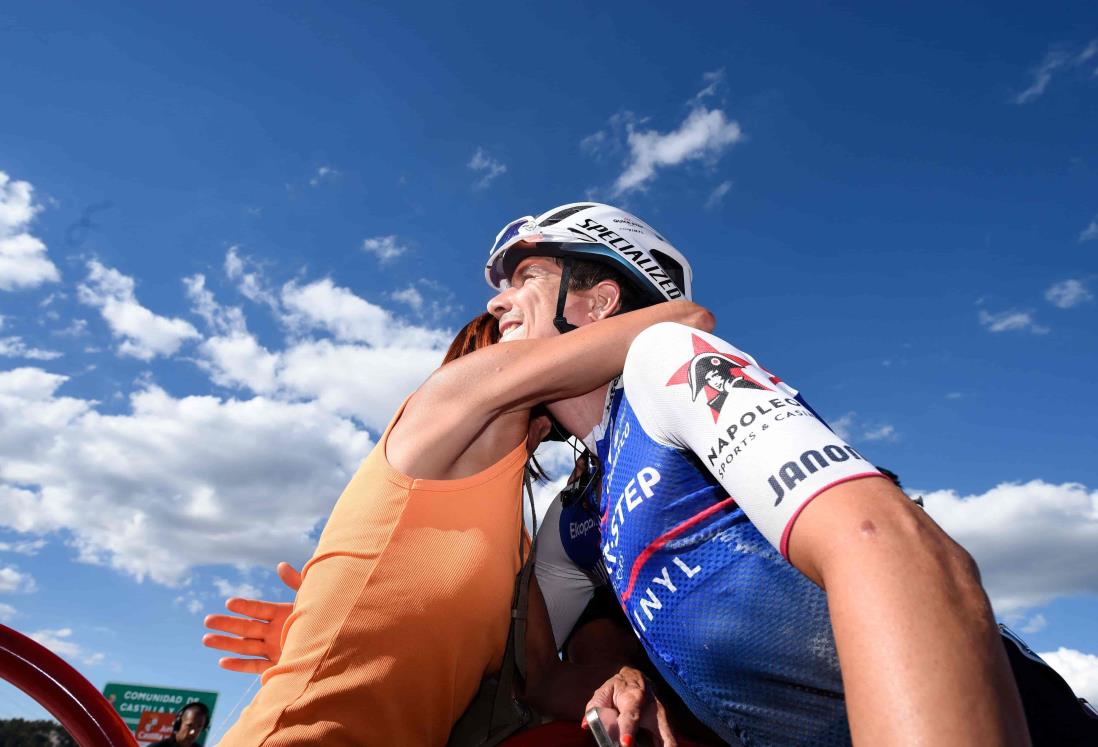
point(481, 332)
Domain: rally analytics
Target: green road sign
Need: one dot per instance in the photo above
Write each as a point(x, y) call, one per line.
point(133, 700)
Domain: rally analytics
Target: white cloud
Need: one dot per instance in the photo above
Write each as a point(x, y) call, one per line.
point(1035, 624)
point(23, 260)
point(233, 357)
point(143, 334)
point(228, 589)
point(1079, 669)
point(23, 547)
point(385, 248)
point(1090, 233)
point(716, 197)
point(850, 428)
point(323, 174)
point(12, 580)
point(76, 328)
point(60, 642)
point(880, 433)
point(367, 338)
point(350, 318)
point(1042, 76)
point(427, 299)
point(487, 167)
point(705, 133)
point(1064, 58)
point(1068, 293)
point(713, 81)
point(7, 612)
point(1010, 321)
point(249, 278)
point(1034, 542)
point(238, 360)
point(216, 481)
point(168, 483)
point(14, 347)
point(409, 296)
point(843, 426)
point(354, 380)
point(595, 142)
point(1090, 51)
point(222, 319)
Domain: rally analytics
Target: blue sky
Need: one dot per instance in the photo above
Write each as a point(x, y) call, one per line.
point(232, 238)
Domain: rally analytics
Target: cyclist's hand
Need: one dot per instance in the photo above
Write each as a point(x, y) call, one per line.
point(626, 704)
point(257, 634)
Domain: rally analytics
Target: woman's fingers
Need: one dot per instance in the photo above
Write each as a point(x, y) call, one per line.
point(246, 666)
point(242, 646)
point(289, 575)
point(240, 626)
point(256, 608)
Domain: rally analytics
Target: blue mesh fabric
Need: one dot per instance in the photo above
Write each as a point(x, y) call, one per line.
point(742, 636)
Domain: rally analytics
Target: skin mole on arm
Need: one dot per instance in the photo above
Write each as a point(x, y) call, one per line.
point(869, 529)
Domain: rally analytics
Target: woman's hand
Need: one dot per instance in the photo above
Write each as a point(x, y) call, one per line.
point(257, 634)
point(625, 703)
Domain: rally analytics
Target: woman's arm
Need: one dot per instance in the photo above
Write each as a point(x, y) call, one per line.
point(455, 404)
point(524, 373)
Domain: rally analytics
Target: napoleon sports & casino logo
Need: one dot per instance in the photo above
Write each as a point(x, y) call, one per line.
point(718, 373)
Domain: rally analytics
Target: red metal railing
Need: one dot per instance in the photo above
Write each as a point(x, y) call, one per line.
point(62, 691)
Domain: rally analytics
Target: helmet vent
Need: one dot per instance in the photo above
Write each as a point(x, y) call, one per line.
point(560, 215)
point(672, 267)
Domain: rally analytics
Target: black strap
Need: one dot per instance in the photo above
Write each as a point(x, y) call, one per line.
point(514, 656)
point(521, 604)
point(559, 321)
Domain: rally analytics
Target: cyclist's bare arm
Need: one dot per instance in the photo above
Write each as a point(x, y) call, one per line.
point(921, 656)
point(453, 407)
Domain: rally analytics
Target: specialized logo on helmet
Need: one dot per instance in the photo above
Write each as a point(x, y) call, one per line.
point(622, 245)
point(717, 373)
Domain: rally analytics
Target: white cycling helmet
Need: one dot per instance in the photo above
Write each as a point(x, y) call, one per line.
point(590, 230)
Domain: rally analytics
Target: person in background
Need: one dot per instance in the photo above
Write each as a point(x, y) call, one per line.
point(190, 722)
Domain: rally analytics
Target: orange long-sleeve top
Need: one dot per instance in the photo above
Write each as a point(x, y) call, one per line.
point(402, 610)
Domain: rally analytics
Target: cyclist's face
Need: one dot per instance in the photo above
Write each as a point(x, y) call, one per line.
point(526, 309)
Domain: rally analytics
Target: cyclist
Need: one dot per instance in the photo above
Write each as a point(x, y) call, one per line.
point(725, 518)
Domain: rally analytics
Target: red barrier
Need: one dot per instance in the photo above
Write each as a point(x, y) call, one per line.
point(62, 691)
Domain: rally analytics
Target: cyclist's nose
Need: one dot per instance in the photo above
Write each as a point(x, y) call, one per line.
point(500, 303)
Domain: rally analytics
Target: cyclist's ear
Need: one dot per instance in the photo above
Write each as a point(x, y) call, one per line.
point(606, 299)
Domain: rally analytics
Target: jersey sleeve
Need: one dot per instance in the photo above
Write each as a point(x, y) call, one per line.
point(753, 432)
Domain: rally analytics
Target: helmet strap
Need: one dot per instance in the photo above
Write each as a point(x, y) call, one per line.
point(559, 321)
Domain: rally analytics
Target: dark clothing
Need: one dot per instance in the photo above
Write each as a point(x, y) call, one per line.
point(1056, 717)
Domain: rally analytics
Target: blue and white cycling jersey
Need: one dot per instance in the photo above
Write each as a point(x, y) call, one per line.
point(698, 496)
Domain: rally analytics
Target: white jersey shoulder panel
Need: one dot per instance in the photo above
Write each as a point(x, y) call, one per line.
point(694, 391)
